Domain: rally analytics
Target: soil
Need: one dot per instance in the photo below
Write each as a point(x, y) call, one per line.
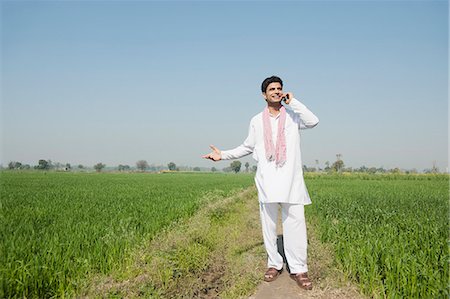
point(285, 288)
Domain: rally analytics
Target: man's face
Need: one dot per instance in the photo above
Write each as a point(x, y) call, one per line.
point(274, 92)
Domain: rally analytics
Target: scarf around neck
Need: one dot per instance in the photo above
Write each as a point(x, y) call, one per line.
point(278, 152)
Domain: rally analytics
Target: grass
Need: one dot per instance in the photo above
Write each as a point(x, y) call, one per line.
point(389, 233)
point(216, 253)
point(190, 235)
point(59, 229)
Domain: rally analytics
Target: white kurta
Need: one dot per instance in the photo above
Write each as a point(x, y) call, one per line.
point(278, 184)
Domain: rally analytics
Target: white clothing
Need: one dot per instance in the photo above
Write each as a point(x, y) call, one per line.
point(284, 185)
point(294, 235)
point(278, 184)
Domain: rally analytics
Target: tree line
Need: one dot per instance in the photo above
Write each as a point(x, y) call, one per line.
point(235, 166)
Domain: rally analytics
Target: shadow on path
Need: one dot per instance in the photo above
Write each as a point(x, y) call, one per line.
point(280, 246)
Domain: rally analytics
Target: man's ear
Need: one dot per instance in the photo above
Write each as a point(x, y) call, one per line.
point(264, 96)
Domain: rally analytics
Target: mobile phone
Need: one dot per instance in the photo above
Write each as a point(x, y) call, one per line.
point(285, 98)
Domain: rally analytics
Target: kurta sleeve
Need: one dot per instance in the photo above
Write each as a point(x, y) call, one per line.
point(306, 119)
point(244, 149)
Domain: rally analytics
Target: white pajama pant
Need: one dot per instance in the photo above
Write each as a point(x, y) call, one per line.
point(294, 235)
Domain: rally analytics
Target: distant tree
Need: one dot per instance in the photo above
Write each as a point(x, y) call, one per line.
point(172, 166)
point(99, 166)
point(338, 165)
point(395, 170)
point(123, 167)
point(254, 168)
point(142, 165)
point(327, 166)
point(80, 166)
point(236, 166)
point(247, 165)
point(363, 169)
point(68, 166)
point(43, 164)
point(434, 169)
point(213, 169)
point(15, 165)
point(372, 170)
point(26, 166)
point(382, 170)
point(196, 168)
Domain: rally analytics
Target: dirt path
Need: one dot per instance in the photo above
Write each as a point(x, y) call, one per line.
point(218, 253)
point(285, 288)
point(328, 282)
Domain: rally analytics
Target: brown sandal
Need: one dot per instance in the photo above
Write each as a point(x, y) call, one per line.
point(272, 274)
point(302, 280)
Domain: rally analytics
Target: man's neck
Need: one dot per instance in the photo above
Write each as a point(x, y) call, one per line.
point(274, 108)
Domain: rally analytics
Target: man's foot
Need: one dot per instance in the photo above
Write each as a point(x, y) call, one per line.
point(302, 280)
point(272, 274)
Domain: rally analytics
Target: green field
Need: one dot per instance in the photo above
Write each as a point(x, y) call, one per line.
point(58, 230)
point(389, 232)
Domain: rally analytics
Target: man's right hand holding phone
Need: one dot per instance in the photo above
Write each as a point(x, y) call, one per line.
point(287, 97)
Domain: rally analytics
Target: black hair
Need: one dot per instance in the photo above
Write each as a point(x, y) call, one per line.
point(269, 80)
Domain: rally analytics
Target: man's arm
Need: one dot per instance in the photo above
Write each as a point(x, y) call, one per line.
point(242, 150)
point(306, 117)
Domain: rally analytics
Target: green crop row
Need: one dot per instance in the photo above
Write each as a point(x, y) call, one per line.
point(389, 232)
point(59, 229)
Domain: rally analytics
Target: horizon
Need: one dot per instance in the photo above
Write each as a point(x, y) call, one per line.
point(57, 165)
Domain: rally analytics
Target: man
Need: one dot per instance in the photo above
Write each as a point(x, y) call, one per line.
point(274, 141)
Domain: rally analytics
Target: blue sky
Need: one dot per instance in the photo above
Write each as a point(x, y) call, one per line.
point(119, 81)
